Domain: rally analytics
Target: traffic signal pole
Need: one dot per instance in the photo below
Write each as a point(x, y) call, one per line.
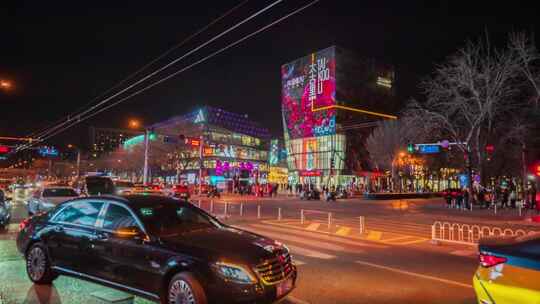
point(201, 143)
point(145, 169)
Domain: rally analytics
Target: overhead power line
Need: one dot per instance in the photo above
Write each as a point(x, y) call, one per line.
point(185, 68)
point(78, 116)
point(59, 123)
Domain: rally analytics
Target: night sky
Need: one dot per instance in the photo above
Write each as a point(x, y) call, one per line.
point(63, 54)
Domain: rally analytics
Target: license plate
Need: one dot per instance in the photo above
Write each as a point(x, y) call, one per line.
point(284, 287)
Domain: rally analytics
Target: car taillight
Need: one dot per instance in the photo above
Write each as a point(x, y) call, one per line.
point(24, 224)
point(488, 260)
point(454, 193)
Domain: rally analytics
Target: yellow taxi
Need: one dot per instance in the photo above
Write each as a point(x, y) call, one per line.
point(509, 271)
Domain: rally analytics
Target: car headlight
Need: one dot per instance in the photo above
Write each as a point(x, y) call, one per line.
point(235, 273)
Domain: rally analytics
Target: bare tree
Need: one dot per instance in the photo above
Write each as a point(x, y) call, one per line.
point(470, 97)
point(387, 141)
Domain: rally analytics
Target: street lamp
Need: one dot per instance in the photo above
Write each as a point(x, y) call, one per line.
point(5, 84)
point(134, 123)
point(71, 146)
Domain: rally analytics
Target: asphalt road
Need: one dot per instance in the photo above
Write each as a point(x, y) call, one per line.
point(332, 269)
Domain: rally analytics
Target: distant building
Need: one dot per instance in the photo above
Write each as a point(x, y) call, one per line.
point(235, 149)
point(331, 100)
point(106, 140)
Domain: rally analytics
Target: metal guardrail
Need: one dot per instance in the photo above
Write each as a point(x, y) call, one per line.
point(470, 234)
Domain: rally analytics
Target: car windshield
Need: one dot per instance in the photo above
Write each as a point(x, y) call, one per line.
point(59, 192)
point(166, 219)
point(123, 184)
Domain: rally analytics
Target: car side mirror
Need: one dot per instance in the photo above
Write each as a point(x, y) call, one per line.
point(131, 232)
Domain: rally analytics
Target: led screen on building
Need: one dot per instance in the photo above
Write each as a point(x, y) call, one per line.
point(308, 86)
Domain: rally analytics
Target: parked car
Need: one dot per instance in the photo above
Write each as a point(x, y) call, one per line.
point(5, 210)
point(95, 185)
point(157, 248)
point(509, 270)
point(181, 192)
point(124, 187)
point(148, 190)
point(49, 197)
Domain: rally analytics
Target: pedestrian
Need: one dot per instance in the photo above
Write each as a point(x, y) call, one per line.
point(466, 198)
point(513, 194)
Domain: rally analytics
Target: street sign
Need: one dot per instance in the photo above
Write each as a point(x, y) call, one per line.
point(48, 151)
point(429, 149)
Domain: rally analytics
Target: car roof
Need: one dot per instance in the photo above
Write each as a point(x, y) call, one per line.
point(137, 201)
point(58, 187)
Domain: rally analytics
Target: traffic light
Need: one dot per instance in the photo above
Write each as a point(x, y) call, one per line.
point(489, 151)
point(410, 148)
point(4, 149)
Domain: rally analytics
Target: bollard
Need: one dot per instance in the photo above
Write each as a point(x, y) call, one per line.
point(212, 206)
point(279, 214)
point(199, 204)
point(258, 211)
point(362, 225)
point(225, 210)
point(241, 209)
point(519, 209)
point(329, 220)
point(495, 208)
point(302, 216)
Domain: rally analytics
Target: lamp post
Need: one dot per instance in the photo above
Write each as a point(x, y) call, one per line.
point(70, 146)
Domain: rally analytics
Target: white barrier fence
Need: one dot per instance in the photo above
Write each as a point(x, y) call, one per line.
point(470, 234)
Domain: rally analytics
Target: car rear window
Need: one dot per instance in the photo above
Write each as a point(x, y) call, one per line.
point(123, 184)
point(59, 192)
point(99, 185)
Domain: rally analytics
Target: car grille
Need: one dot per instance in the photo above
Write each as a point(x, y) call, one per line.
point(275, 270)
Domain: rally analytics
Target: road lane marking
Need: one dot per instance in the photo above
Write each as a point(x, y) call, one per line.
point(414, 274)
point(399, 238)
point(419, 240)
point(374, 235)
point(343, 231)
point(296, 239)
point(295, 300)
point(313, 226)
point(465, 253)
point(310, 253)
point(299, 231)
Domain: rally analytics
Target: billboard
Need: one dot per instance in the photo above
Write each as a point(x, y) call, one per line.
point(308, 86)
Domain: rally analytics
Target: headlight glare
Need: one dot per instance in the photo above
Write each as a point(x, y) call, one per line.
point(235, 273)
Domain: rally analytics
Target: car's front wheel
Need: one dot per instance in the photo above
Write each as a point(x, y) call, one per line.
point(184, 288)
point(38, 266)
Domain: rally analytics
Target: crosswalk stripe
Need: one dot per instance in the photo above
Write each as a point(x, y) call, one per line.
point(418, 240)
point(398, 238)
point(288, 230)
point(313, 226)
point(326, 237)
point(297, 239)
point(343, 231)
point(310, 253)
point(414, 274)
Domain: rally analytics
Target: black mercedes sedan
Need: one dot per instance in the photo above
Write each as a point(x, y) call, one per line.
point(155, 247)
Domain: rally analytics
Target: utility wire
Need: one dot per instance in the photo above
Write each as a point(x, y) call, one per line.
point(78, 117)
point(67, 119)
point(186, 68)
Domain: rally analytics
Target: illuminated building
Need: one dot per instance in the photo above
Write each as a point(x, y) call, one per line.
point(235, 149)
point(331, 100)
point(106, 140)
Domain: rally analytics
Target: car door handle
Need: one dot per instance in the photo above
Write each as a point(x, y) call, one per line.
point(58, 228)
